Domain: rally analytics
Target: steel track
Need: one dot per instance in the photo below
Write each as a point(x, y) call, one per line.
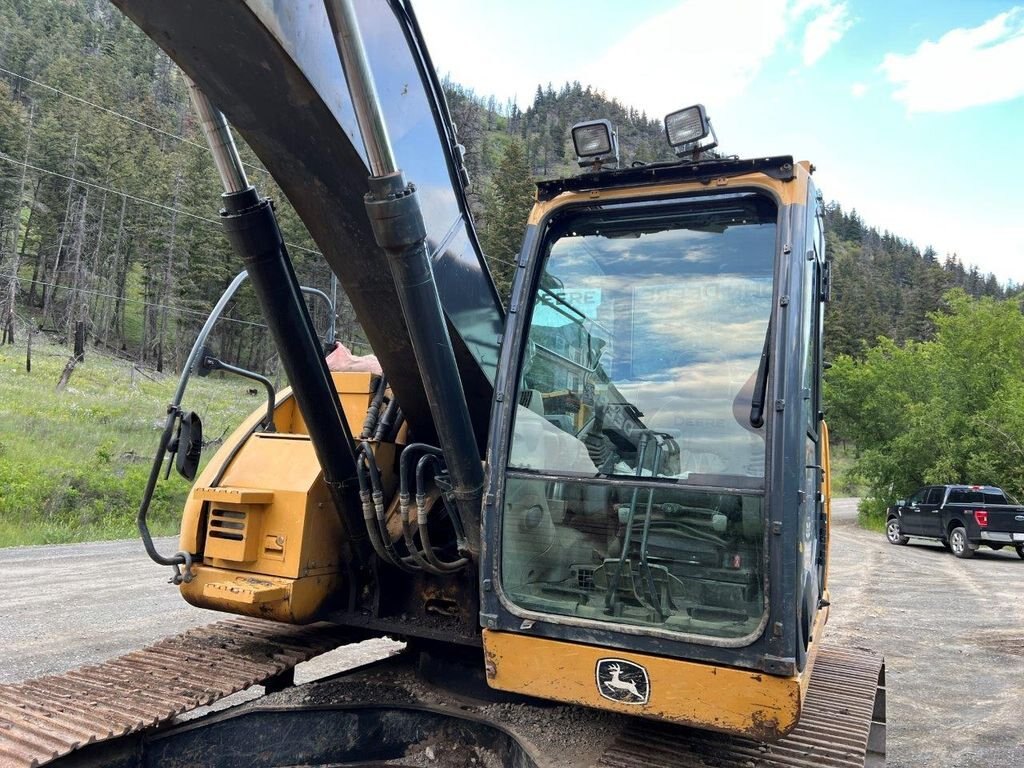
point(41, 720)
point(51, 716)
point(842, 723)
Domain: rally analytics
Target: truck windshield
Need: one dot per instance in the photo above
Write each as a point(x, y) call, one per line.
point(635, 393)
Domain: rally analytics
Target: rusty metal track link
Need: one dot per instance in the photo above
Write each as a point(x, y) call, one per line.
point(51, 716)
point(834, 729)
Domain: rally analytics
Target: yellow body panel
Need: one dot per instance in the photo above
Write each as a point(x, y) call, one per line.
point(296, 601)
point(739, 701)
point(268, 531)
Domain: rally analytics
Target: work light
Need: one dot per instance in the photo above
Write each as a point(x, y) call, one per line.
point(596, 143)
point(687, 127)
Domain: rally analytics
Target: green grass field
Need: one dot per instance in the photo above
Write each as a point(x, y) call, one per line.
point(73, 464)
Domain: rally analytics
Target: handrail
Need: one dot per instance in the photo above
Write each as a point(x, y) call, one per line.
point(174, 412)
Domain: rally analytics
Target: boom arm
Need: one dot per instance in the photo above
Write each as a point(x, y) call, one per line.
point(273, 69)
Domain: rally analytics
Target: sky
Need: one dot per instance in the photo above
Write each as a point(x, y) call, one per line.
point(912, 111)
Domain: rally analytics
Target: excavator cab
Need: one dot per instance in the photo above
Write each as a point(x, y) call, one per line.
point(656, 443)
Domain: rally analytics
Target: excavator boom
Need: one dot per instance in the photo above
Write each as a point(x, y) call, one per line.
point(273, 70)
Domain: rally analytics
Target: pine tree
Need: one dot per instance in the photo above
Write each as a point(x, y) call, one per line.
point(506, 207)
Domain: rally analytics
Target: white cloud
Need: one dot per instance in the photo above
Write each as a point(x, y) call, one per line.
point(800, 7)
point(696, 51)
point(682, 55)
point(964, 68)
point(857, 90)
point(825, 30)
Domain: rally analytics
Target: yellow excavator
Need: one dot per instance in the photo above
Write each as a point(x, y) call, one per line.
point(599, 520)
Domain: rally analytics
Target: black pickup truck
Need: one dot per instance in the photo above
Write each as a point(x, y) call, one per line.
point(962, 517)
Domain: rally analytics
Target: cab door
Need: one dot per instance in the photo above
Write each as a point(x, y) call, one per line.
point(913, 522)
point(928, 512)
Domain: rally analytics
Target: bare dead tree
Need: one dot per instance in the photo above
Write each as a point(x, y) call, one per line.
point(50, 285)
point(9, 293)
point(165, 291)
point(105, 313)
point(76, 305)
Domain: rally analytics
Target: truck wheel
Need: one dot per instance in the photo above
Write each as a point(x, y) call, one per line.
point(1020, 551)
point(892, 532)
point(958, 543)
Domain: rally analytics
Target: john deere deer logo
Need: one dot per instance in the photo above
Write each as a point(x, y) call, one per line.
point(623, 681)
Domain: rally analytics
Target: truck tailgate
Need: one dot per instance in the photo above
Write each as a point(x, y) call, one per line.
point(1006, 518)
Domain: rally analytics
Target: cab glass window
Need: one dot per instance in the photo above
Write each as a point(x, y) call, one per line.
point(635, 489)
point(966, 497)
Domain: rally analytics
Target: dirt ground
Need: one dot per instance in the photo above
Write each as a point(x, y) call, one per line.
point(952, 631)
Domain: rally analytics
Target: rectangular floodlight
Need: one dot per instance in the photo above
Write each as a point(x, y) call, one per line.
point(687, 126)
point(592, 138)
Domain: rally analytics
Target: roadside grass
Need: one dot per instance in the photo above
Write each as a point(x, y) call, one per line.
point(871, 514)
point(73, 464)
point(846, 482)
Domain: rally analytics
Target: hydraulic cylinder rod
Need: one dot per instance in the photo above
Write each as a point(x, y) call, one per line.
point(251, 227)
point(394, 211)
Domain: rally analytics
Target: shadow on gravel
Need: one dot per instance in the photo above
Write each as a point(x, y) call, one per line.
point(981, 555)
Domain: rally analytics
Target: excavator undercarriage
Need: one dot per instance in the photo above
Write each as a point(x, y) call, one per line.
point(416, 708)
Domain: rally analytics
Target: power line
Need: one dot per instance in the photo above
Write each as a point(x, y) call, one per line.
point(162, 132)
point(100, 187)
point(109, 111)
point(170, 307)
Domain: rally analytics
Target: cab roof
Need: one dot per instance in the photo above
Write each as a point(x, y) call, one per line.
point(780, 167)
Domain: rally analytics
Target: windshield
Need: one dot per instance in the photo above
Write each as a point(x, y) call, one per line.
point(636, 387)
point(651, 330)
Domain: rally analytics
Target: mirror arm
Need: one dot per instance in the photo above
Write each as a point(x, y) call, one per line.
point(213, 364)
point(179, 559)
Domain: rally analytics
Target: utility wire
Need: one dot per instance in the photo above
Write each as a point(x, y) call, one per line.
point(161, 131)
point(101, 188)
point(109, 111)
point(170, 307)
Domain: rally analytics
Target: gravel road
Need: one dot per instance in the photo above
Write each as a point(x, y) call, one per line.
point(68, 605)
point(952, 631)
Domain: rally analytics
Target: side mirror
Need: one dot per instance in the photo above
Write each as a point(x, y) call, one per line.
point(901, 502)
point(189, 442)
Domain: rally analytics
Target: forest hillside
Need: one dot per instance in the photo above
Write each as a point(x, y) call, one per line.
point(108, 228)
point(108, 198)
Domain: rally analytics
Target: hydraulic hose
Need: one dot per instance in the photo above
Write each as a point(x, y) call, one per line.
point(378, 509)
point(383, 430)
point(370, 422)
point(424, 556)
point(422, 521)
point(379, 539)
